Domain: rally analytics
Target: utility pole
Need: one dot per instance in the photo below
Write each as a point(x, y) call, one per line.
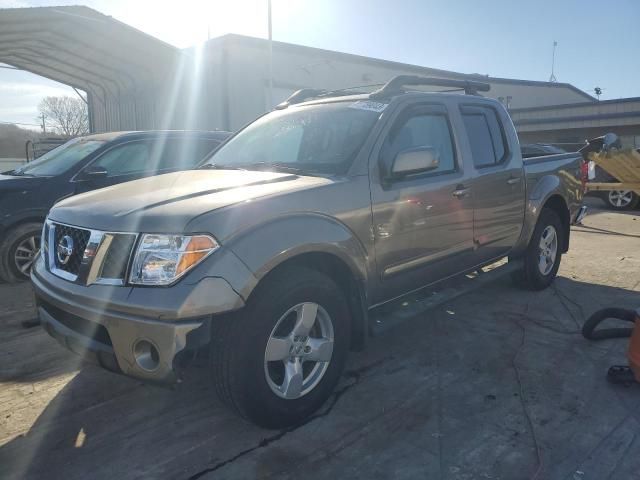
point(552, 78)
point(270, 94)
point(44, 128)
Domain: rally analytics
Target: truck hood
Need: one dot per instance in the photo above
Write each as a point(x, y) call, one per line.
point(167, 203)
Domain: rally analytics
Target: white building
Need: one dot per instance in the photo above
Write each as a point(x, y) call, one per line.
point(242, 77)
point(135, 82)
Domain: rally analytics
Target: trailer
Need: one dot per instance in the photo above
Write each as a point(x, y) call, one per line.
point(624, 166)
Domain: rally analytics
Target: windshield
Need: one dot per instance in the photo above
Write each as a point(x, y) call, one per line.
point(59, 159)
point(310, 139)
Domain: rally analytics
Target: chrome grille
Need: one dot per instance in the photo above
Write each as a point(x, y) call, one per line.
point(77, 238)
point(86, 256)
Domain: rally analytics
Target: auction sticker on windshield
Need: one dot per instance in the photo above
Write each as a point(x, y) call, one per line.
point(369, 105)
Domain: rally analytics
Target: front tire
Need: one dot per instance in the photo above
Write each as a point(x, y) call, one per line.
point(544, 252)
point(279, 359)
point(18, 250)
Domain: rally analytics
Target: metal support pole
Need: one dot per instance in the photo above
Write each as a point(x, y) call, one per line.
point(552, 78)
point(270, 93)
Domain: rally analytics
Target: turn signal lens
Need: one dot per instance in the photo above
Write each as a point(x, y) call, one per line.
point(197, 248)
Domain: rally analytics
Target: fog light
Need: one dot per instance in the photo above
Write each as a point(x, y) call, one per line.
point(146, 355)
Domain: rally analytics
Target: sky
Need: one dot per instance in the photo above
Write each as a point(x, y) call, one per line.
point(598, 42)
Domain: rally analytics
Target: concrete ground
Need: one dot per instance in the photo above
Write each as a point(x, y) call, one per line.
point(497, 384)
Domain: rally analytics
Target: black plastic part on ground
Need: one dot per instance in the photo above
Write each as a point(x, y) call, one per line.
point(589, 328)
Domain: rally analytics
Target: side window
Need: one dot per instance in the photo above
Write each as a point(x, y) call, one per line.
point(485, 135)
point(422, 130)
point(125, 159)
point(180, 154)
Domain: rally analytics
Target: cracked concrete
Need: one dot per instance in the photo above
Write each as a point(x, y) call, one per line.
point(497, 384)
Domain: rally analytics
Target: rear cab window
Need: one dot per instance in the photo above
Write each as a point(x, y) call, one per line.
point(485, 134)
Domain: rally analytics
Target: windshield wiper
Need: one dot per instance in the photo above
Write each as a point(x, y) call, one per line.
point(259, 166)
point(216, 166)
point(20, 173)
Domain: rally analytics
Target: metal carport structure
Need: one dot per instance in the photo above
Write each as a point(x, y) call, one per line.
point(128, 75)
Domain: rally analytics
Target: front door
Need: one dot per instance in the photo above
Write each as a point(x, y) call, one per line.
point(422, 223)
point(122, 163)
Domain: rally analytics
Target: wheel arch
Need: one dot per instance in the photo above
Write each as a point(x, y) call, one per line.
point(557, 204)
point(315, 242)
point(535, 204)
point(32, 217)
point(340, 272)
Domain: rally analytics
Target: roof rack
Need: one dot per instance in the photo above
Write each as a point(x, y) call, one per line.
point(307, 93)
point(396, 84)
point(392, 87)
point(300, 96)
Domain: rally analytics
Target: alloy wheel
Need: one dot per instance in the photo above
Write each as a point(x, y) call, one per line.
point(548, 249)
point(620, 198)
point(299, 350)
point(25, 254)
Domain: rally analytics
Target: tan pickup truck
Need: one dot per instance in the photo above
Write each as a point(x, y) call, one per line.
point(275, 250)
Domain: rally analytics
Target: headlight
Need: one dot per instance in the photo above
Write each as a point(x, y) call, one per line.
point(162, 259)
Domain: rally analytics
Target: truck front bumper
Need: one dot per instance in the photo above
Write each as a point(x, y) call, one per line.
point(126, 329)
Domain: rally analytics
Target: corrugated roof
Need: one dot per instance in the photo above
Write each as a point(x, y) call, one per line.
point(83, 48)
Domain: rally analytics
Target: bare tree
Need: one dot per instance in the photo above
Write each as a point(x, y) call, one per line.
point(68, 115)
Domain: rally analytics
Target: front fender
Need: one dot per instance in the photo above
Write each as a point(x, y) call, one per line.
point(265, 246)
point(13, 219)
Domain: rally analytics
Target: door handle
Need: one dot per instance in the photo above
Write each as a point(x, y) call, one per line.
point(513, 180)
point(460, 192)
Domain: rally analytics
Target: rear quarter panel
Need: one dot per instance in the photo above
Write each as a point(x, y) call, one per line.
point(548, 176)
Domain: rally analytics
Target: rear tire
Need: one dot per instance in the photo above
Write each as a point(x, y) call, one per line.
point(543, 254)
point(262, 369)
point(17, 252)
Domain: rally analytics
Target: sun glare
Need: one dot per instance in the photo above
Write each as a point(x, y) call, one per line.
point(191, 22)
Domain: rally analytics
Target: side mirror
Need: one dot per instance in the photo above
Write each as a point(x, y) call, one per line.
point(415, 160)
point(92, 173)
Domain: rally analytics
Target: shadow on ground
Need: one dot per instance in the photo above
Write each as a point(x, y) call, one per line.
point(498, 384)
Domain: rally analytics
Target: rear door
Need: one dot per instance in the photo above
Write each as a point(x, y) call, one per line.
point(498, 184)
point(422, 223)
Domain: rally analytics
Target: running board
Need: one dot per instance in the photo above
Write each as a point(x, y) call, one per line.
point(392, 314)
